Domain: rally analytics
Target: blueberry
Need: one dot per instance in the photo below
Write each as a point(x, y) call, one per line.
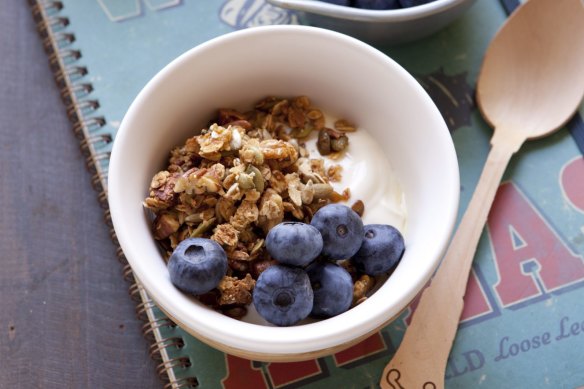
point(338, 2)
point(197, 265)
point(413, 3)
point(332, 287)
point(294, 243)
point(377, 4)
point(341, 229)
point(382, 248)
point(282, 295)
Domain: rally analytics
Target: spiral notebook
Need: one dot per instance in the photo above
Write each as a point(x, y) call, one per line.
point(523, 322)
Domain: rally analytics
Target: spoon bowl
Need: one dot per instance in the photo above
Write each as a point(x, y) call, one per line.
point(528, 67)
point(530, 84)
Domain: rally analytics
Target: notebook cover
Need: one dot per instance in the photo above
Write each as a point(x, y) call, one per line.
point(523, 322)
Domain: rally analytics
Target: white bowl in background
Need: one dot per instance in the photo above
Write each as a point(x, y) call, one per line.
point(379, 27)
point(340, 74)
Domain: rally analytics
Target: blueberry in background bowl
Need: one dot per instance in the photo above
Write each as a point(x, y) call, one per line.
point(377, 4)
point(413, 20)
point(345, 3)
point(414, 3)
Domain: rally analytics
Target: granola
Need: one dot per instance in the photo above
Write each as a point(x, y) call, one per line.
point(361, 287)
point(235, 291)
point(242, 175)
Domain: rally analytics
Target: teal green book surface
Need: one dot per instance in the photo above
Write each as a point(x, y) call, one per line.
point(523, 322)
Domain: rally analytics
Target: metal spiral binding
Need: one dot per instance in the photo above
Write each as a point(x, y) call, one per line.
point(101, 139)
point(162, 368)
point(82, 89)
point(120, 256)
point(127, 274)
point(154, 350)
point(134, 292)
point(143, 308)
point(103, 199)
point(188, 382)
point(85, 107)
point(80, 108)
point(149, 327)
point(66, 55)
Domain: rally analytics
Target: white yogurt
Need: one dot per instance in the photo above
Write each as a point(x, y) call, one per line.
point(370, 178)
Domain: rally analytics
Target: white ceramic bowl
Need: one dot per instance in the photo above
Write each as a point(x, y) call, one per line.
point(341, 75)
point(385, 27)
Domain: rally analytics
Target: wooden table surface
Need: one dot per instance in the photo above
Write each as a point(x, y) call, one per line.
point(66, 320)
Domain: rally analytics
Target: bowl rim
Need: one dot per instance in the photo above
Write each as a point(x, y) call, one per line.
point(294, 339)
point(368, 15)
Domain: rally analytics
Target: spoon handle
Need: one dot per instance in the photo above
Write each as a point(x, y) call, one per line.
point(420, 361)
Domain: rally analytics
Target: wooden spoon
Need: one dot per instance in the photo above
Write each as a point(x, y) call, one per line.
point(531, 82)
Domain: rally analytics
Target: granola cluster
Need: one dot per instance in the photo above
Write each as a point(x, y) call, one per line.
point(241, 176)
